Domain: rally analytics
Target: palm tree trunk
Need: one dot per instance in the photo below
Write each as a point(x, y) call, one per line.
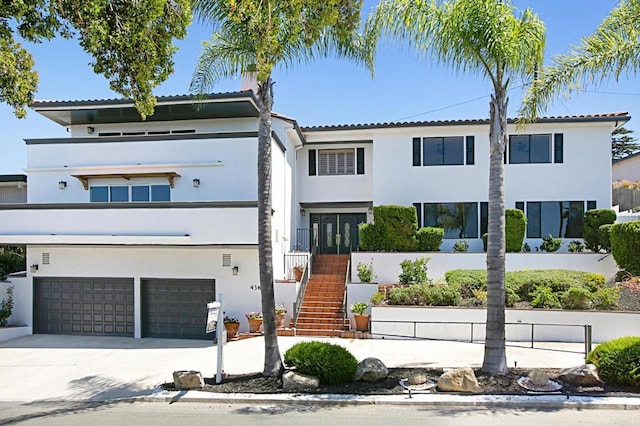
point(272, 360)
point(495, 360)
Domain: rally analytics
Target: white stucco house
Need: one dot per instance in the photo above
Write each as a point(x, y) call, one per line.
point(13, 189)
point(132, 226)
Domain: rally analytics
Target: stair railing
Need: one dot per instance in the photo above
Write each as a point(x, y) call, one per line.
point(344, 297)
point(305, 279)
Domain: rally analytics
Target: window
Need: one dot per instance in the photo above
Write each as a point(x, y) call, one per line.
point(124, 194)
point(591, 205)
point(470, 147)
point(558, 148)
point(443, 151)
point(417, 151)
point(459, 220)
point(484, 218)
point(418, 208)
point(558, 218)
point(312, 162)
point(360, 161)
point(336, 162)
point(525, 149)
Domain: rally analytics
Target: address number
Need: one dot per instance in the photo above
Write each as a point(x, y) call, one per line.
point(255, 287)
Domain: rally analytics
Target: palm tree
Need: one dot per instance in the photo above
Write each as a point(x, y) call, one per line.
point(256, 36)
point(612, 49)
point(485, 37)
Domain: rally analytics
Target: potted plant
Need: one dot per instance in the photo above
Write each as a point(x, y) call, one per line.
point(298, 270)
point(232, 325)
point(255, 321)
point(362, 320)
point(281, 312)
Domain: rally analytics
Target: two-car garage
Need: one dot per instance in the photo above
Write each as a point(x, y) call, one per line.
point(171, 308)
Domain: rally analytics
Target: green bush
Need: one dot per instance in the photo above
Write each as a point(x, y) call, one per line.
point(550, 244)
point(618, 361)
point(625, 246)
point(424, 295)
point(6, 307)
point(370, 236)
point(11, 262)
point(365, 272)
point(544, 297)
point(414, 271)
point(606, 298)
point(515, 229)
point(577, 298)
point(328, 362)
point(442, 295)
point(576, 246)
point(593, 220)
point(605, 237)
point(461, 246)
point(429, 238)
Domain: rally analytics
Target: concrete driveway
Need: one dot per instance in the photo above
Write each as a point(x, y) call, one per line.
point(84, 368)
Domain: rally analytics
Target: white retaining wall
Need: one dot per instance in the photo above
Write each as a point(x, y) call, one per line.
point(387, 265)
point(605, 325)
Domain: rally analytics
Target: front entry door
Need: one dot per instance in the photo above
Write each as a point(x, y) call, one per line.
point(338, 233)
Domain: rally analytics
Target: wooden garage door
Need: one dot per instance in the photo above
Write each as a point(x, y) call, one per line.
point(176, 308)
point(95, 306)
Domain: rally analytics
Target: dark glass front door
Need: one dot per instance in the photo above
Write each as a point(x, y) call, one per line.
point(338, 233)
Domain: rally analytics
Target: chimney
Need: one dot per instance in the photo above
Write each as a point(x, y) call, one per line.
point(250, 81)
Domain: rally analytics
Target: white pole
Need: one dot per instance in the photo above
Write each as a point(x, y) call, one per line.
point(220, 336)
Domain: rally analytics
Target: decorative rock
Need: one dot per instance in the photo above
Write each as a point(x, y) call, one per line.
point(371, 370)
point(187, 380)
point(459, 380)
point(292, 381)
point(585, 375)
point(414, 379)
point(539, 377)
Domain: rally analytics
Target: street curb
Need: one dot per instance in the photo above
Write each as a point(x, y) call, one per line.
point(488, 401)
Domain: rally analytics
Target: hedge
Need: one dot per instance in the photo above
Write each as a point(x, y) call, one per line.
point(625, 246)
point(394, 229)
point(594, 239)
point(429, 238)
point(328, 362)
point(618, 361)
point(515, 229)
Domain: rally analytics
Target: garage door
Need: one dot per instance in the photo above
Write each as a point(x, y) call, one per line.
point(176, 308)
point(95, 306)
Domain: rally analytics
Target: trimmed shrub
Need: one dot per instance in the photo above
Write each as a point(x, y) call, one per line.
point(429, 238)
point(550, 244)
point(544, 297)
point(618, 361)
point(606, 298)
point(625, 246)
point(394, 229)
point(576, 298)
point(515, 229)
point(593, 220)
point(328, 362)
point(414, 271)
point(605, 237)
point(424, 295)
point(442, 295)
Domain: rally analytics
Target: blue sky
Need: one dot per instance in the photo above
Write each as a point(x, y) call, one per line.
point(405, 87)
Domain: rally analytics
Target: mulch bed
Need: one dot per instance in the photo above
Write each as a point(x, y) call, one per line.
point(491, 385)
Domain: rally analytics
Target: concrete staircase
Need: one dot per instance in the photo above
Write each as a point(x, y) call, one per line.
point(321, 309)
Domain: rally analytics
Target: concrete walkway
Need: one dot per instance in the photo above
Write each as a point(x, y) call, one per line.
point(84, 368)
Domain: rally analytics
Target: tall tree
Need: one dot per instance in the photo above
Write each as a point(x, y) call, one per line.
point(614, 48)
point(131, 43)
point(484, 37)
point(623, 143)
point(257, 36)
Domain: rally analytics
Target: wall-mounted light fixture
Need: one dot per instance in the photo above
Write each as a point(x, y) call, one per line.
point(91, 129)
point(196, 183)
point(303, 212)
point(62, 184)
point(235, 270)
point(34, 267)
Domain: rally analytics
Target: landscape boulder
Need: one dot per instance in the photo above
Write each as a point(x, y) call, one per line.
point(584, 375)
point(416, 378)
point(371, 370)
point(292, 381)
point(187, 380)
point(459, 380)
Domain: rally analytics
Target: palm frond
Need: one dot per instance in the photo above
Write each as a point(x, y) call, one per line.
point(611, 50)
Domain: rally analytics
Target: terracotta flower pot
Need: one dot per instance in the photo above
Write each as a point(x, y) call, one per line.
point(232, 330)
point(280, 320)
point(254, 325)
point(362, 322)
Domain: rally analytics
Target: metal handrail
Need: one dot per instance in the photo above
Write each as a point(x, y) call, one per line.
point(344, 297)
point(303, 282)
point(587, 329)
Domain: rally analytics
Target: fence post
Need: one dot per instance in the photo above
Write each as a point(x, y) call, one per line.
point(471, 332)
point(587, 340)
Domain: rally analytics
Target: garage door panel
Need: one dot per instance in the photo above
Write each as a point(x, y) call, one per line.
point(176, 308)
point(83, 306)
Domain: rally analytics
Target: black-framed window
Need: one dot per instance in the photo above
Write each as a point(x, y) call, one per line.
point(417, 151)
point(125, 194)
point(529, 149)
point(470, 142)
point(333, 162)
point(418, 207)
point(556, 218)
point(360, 161)
point(591, 205)
point(484, 218)
point(312, 162)
point(459, 220)
point(558, 148)
point(447, 151)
